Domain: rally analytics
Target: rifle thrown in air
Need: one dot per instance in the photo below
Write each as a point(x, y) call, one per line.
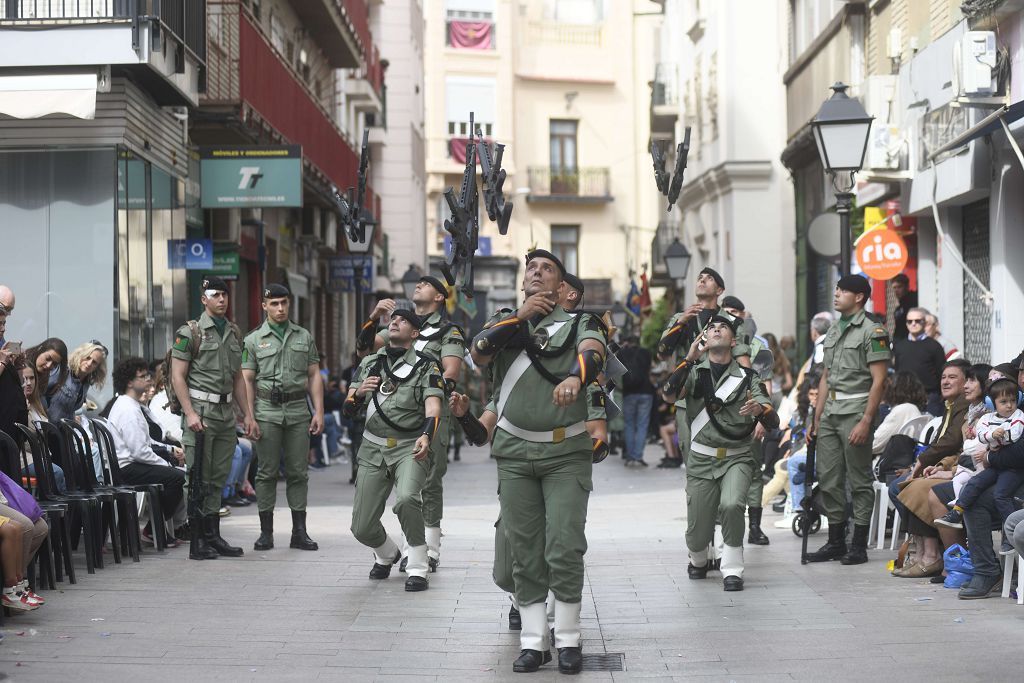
point(498, 210)
point(670, 184)
point(464, 225)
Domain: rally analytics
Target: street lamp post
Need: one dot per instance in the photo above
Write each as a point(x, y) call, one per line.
point(841, 128)
point(677, 263)
point(409, 280)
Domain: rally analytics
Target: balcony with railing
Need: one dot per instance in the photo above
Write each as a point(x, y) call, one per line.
point(664, 99)
point(571, 186)
point(162, 44)
point(469, 30)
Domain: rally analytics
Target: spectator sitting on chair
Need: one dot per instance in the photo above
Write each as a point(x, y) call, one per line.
point(87, 367)
point(134, 446)
point(37, 413)
point(905, 396)
point(12, 548)
point(918, 353)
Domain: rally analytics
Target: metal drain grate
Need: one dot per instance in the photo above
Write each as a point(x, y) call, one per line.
point(608, 661)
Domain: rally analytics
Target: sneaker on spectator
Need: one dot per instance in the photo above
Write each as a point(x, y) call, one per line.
point(23, 586)
point(224, 511)
point(14, 599)
point(952, 519)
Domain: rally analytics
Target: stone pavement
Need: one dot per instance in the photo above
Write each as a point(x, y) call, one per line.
point(289, 615)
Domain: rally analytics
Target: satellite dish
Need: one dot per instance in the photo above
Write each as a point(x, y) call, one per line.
point(823, 235)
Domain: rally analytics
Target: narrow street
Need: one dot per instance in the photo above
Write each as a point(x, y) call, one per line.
point(290, 615)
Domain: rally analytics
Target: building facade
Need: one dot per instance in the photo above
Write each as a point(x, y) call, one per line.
point(561, 84)
point(719, 73)
point(106, 184)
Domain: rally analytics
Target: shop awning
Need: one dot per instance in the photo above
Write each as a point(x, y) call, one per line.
point(987, 126)
point(298, 283)
point(31, 97)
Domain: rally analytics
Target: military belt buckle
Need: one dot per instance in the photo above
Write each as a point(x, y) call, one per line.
point(392, 442)
point(720, 453)
point(558, 435)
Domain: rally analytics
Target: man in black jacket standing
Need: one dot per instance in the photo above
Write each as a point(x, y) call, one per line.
point(637, 399)
point(918, 353)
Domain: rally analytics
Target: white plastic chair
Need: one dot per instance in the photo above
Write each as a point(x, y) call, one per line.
point(931, 430)
point(915, 426)
point(1008, 562)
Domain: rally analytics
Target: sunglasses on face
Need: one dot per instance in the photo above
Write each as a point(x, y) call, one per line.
point(915, 321)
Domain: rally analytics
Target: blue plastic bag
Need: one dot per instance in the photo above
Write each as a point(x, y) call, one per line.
point(956, 579)
point(958, 559)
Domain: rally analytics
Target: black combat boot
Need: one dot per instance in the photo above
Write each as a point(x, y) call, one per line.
point(858, 546)
point(198, 548)
point(570, 660)
point(266, 539)
point(211, 525)
point(755, 535)
point(836, 546)
point(530, 660)
point(300, 539)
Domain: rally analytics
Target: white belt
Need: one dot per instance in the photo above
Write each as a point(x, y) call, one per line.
point(717, 452)
point(388, 442)
point(208, 397)
point(843, 396)
point(557, 435)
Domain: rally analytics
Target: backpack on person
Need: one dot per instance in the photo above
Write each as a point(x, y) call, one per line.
point(173, 404)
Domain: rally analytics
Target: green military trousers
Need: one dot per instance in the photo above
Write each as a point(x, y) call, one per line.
point(502, 571)
point(719, 493)
point(756, 490)
point(288, 442)
point(838, 463)
point(433, 489)
point(219, 441)
point(374, 481)
point(544, 513)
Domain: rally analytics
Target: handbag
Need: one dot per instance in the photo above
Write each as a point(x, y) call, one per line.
point(20, 499)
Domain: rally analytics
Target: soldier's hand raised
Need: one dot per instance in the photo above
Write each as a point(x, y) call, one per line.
point(458, 403)
point(421, 448)
point(536, 304)
point(383, 307)
point(693, 311)
point(369, 385)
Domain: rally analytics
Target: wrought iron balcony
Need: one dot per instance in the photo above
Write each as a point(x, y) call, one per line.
point(578, 185)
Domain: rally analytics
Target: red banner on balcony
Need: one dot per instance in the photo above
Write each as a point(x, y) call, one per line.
point(473, 35)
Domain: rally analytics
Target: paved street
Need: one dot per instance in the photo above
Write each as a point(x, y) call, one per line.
point(290, 615)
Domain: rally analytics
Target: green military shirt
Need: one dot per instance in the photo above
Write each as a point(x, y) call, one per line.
point(280, 363)
point(529, 404)
point(405, 407)
point(850, 347)
point(706, 466)
point(213, 363)
point(434, 340)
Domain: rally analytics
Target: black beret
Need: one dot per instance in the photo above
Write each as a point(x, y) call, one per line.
point(733, 302)
point(857, 284)
point(215, 283)
point(275, 291)
point(574, 282)
point(714, 276)
point(544, 253)
point(411, 316)
point(436, 284)
point(729, 319)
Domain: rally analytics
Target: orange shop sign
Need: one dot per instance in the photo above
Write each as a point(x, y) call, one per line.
point(881, 254)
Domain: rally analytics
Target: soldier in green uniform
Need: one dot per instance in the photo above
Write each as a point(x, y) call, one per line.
point(444, 342)
point(540, 356)
point(683, 328)
point(723, 402)
point(852, 381)
point(403, 390)
point(281, 365)
point(206, 375)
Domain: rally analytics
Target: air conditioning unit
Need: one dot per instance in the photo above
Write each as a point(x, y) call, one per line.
point(974, 60)
point(880, 102)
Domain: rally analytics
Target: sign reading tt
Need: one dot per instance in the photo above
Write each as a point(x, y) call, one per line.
point(251, 177)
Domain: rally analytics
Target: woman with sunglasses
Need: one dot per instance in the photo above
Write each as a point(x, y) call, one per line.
point(87, 367)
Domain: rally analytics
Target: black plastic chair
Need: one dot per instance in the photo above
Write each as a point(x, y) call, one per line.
point(11, 464)
point(58, 514)
point(83, 509)
point(112, 498)
point(153, 492)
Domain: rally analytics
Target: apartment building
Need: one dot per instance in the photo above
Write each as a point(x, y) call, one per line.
point(562, 84)
point(109, 113)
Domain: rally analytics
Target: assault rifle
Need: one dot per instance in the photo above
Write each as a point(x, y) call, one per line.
point(671, 184)
point(353, 214)
point(498, 210)
point(196, 492)
point(464, 225)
